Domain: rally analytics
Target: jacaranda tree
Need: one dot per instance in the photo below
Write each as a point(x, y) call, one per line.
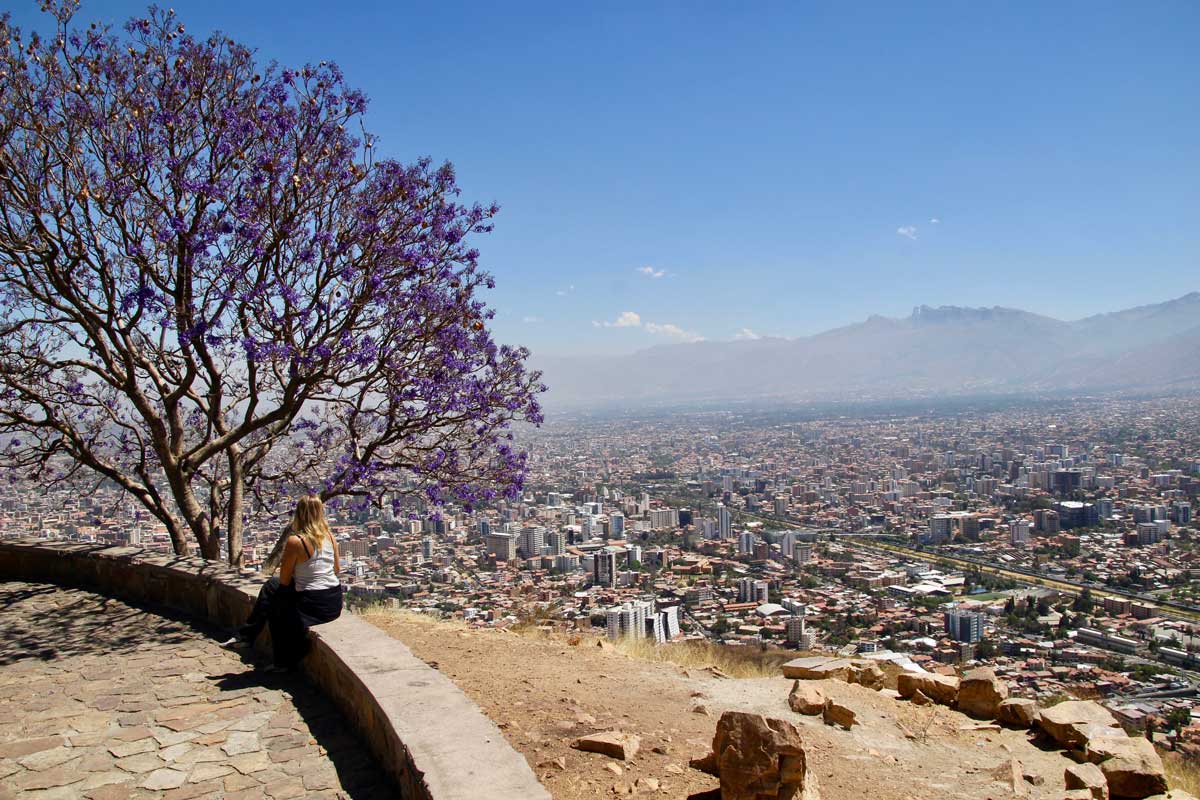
point(211, 288)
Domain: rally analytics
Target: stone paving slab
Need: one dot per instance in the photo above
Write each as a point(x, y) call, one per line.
point(103, 700)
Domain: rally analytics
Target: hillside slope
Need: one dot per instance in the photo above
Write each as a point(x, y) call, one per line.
point(544, 692)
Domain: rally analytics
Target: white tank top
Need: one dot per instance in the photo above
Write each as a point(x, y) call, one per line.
point(317, 572)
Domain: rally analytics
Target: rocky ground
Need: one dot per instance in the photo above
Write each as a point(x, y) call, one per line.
point(106, 701)
point(545, 692)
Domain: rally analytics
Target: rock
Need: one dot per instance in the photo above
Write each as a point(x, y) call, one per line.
point(706, 764)
point(757, 758)
point(701, 709)
point(614, 744)
point(941, 689)
point(648, 785)
point(559, 763)
point(1017, 712)
point(806, 699)
point(815, 668)
point(838, 714)
point(614, 769)
point(980, 693)
point(866, 672)
point(674, 769)
point(919, 698)
point(1033, 779)
point(1130, 764)
point(1173, 794)
point(1087, 777)
point(1074, 722)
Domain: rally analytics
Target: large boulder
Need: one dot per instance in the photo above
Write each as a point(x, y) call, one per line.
point(1130, 764)
point(980, 693)
point(758, 758)
point(815, 668)
point(614, 744)
point(806, 699)
point(1017, 712)
point(1073, 723)
point(938, 688)
point(1088, 777)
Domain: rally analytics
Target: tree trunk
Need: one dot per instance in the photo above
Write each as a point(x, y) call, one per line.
point(179, 541)
point(233, 518)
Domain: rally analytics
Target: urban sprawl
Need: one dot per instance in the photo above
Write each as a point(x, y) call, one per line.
point(1051, 540)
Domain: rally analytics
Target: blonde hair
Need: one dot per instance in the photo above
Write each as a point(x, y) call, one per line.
point(309, 522)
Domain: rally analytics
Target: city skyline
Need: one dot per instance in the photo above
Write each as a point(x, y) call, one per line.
point(670, 173)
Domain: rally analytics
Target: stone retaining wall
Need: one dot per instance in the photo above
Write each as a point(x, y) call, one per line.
point(426, 734)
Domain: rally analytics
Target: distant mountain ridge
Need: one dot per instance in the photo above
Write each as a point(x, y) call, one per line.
point(936, 351)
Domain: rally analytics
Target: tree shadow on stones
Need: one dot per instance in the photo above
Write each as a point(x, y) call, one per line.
point(359, 774)
point(47, 622)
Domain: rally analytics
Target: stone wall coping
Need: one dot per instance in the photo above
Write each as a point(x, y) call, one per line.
point(429, 736)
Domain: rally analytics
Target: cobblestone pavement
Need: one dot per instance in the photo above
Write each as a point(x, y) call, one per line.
point(103, 700)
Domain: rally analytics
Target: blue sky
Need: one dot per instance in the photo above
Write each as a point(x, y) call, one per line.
point(776, 169)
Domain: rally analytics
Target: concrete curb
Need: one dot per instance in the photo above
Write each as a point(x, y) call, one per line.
point(434, 742)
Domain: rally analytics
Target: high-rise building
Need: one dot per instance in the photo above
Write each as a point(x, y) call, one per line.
point(604, 567)
point(531, 541)
point(787, 541)
point(1045, 520)
point(724, 522)
point(629, 619)
point(964, 626)
point(762, 592)
point(794, 629)
point(802, 553)
point(1018, 532)
point(941, 528)
point(746, 542)
point(502, 545)
point(427, 549)
point(557, 541)
point(616, 525)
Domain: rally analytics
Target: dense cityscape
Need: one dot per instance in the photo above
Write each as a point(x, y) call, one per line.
point(1053, 540)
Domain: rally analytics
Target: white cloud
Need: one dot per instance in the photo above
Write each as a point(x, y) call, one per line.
point(626, 319)
point(566, 291)
point(673, 332)
point(651, 272)
point(746, 334)
point(908, 230)
point(934, 221)
point(531, 319)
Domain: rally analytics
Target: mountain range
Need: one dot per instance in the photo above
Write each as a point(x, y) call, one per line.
point(945, 351)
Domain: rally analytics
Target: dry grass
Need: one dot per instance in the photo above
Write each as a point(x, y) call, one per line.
point(1182, 773)
point(736, 662)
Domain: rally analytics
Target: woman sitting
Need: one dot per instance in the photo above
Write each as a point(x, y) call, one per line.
point(307, 591)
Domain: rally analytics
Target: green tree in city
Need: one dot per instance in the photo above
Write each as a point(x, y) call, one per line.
point(1084, 602)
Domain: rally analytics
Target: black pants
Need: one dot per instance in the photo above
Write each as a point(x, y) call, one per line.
point(290, 613)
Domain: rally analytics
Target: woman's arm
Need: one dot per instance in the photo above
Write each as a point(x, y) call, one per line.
point(291, 557)
point(337, 560)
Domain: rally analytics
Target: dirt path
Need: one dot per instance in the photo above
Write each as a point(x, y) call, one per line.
point(543, 692)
